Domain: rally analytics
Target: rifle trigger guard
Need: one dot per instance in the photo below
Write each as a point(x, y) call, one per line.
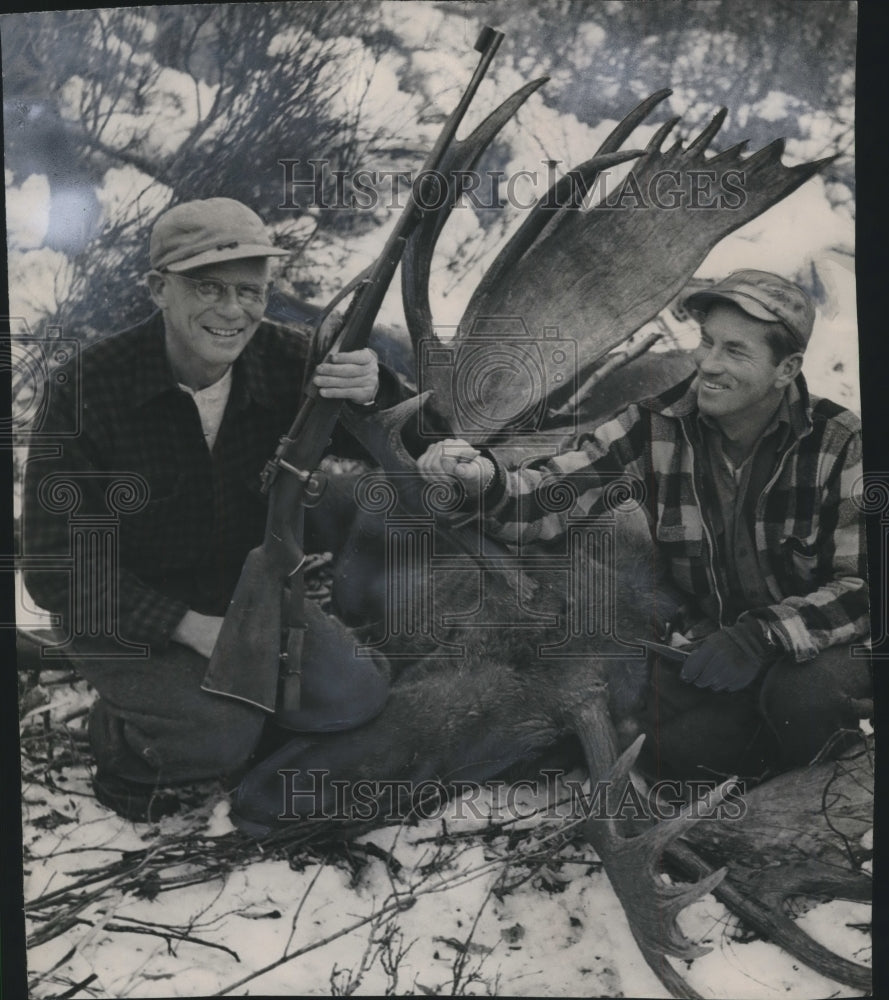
point(315, 488)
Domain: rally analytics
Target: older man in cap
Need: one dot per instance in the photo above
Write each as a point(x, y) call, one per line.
point(186, 408)
point(749, 485)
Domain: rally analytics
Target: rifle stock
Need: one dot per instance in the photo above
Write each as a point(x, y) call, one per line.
point(256, 636)
point(250, 636)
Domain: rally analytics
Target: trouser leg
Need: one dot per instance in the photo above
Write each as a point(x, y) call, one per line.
point(329, 682)
point(694, 733)
point(813, 704)
point(153, 723)
point(783, 721)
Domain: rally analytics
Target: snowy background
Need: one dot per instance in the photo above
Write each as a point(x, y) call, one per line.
point(111, 115)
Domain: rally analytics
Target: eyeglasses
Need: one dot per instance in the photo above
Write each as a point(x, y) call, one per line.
point(214, 290)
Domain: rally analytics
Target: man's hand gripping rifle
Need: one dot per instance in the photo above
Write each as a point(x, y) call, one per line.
point(257, 656)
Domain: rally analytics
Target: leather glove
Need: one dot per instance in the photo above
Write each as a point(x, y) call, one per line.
point(730, 659)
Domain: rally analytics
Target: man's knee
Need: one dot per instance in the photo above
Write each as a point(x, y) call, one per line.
point(807, 704)
point(152, 720)
point(156, 748)
point(224, 738)
point(834, 680)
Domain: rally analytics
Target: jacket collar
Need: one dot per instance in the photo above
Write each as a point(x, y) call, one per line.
point(153, 375)
point(681, 402)
point(149, 375)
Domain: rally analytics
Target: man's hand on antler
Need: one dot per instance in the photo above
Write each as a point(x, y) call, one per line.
point(730, 659)
point(457, 458)
point(352, 375)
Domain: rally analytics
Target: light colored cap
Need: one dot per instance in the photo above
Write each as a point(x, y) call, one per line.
point(765, 296)
point(205, 232)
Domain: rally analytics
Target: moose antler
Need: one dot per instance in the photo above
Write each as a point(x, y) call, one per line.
point(633, 863)
point(461, 158)
point(800, 835)
point(597, 275)
point(811, 848)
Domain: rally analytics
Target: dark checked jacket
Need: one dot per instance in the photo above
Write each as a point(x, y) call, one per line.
point(809, 531)
point(185, 518)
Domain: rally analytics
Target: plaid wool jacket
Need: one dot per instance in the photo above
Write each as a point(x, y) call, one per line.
point(185, 517)
point(808, 528)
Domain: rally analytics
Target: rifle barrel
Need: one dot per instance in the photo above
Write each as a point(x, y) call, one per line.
point(304, 444)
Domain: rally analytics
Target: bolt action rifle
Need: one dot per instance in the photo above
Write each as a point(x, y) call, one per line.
point(257, 655)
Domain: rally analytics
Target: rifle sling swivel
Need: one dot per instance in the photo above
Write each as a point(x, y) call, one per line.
point(303, 475)
point(315, 481)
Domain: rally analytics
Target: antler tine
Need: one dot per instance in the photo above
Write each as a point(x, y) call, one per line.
point(465, 154)
point(417, 261)
point(625, 858)
point(620, 771)
point(768, 159)
point(652, 906)
point(622, 130)
point(733, 152)
point(706, 137)
point(657, 140)
point(771, 153)
point(547, 212)
point(773, 924)
point(803, 171)
point(665, 832)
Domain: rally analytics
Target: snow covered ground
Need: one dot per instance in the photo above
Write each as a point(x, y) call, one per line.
point(463, 902)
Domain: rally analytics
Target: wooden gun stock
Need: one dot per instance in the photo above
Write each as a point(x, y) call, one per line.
point(261, 631)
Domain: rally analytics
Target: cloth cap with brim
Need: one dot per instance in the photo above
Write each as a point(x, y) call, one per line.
point(764, 296)
point(196, 233)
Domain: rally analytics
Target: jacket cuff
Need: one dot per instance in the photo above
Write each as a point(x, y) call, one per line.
point(788, 631)
point(496, 487)
point(154, 621)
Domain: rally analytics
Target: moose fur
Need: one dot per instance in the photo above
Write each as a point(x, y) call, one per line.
point(468, 717)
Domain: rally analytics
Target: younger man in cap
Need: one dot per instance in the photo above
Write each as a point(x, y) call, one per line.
point(749, 486)
point(178, 417)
